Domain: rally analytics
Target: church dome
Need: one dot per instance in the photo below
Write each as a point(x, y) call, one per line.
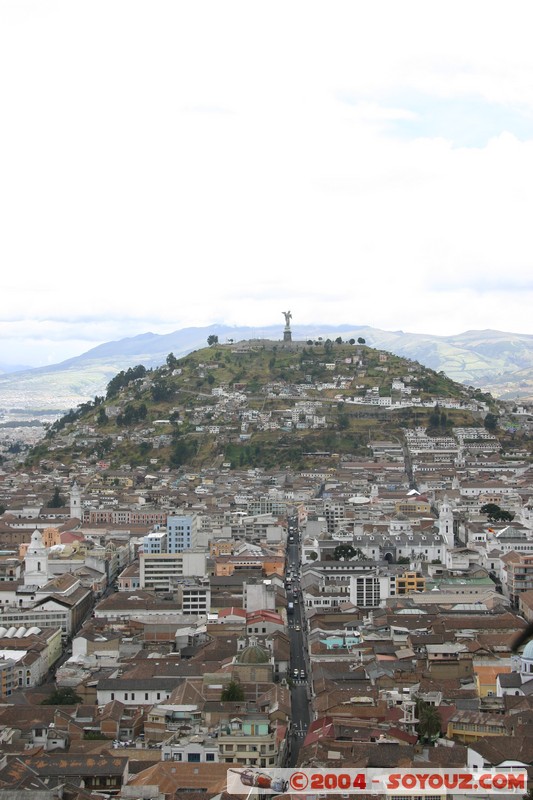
point(359, 500)
point(253, 654)
point(527, 652)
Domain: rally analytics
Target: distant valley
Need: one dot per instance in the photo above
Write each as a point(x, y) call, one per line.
point(495, 361)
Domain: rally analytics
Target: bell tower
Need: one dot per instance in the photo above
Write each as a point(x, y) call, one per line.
point(36, 561)
point(446, 522)
point(75, 502)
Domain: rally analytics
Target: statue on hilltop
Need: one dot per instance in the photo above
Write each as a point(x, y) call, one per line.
point(287, 335)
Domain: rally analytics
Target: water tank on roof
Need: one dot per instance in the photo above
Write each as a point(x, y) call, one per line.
point(11, 632)
point(20, 632)
point(34, 630)
point(3, 632)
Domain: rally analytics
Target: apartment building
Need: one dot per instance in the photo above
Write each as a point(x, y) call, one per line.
point(164, 570)
point(517, 575)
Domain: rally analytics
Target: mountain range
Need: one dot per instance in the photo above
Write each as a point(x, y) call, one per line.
point(495, 361)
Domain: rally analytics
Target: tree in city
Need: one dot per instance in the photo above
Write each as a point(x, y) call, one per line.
point(495, 513)
point(233, 692)
point(429, 721)
point(57, 500)
point(212, 339)
point(62, 696)
point(344, 552)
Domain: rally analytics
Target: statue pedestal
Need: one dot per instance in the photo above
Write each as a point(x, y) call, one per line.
point(287, 335)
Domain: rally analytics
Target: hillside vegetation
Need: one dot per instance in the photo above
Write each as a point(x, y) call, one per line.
point(255, 403)
point(494, 361)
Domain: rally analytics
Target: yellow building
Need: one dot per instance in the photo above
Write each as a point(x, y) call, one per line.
point(413, 505)
point(410, 582)
point(469, 726)
point(486, 676)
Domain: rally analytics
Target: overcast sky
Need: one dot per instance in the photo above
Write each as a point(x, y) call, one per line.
point(168, 164)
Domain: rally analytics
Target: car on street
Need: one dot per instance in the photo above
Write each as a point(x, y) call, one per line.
point(302, 673)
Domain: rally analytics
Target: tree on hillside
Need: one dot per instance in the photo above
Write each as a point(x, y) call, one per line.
point(434, 417)
point(172, 361)
point(212, 339)
point(361, 340)
point(123, 379)
point(344, 421)
point(490, 422)
point(162, 390)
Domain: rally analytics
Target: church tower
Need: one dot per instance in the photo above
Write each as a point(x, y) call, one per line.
point(75, 502)
point(446, 522)
point(36, 561)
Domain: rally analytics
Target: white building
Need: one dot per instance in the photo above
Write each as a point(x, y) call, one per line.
point(164, 570)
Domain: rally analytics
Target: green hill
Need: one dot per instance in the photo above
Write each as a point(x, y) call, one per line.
point(257, 403)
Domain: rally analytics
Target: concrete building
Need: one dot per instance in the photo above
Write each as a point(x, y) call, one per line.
point(164, 570)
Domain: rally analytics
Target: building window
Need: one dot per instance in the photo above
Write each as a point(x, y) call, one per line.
point(193, 758)
point(209, 756)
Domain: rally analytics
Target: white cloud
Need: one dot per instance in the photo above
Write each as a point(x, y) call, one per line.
point(174, 164)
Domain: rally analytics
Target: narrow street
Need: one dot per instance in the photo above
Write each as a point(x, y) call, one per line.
point(301, 691)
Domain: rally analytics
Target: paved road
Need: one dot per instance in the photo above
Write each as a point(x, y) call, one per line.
point(300, 693)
